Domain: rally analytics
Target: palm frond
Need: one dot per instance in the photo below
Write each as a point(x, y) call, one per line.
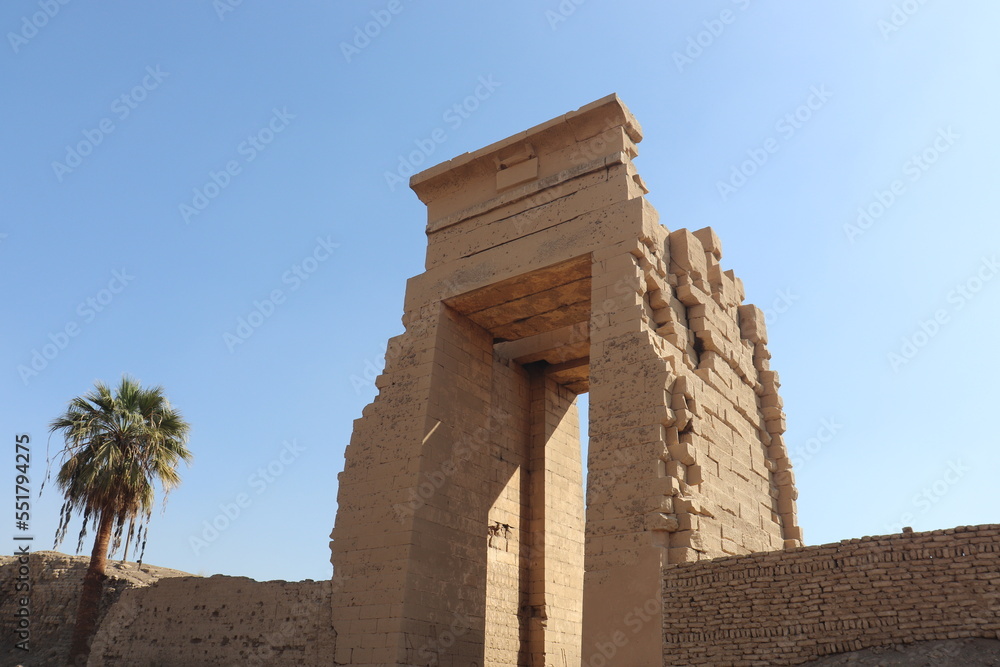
point(118, 444)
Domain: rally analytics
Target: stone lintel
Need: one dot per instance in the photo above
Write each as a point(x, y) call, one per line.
point(542, 151)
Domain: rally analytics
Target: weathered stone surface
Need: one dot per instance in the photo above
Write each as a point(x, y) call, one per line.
point(54, 581)
point(217, 621)
point(460, 506)
point(788, 608)
point(462, 536)
point(157, 616)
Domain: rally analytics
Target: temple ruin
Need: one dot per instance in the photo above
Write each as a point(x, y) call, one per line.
point(461, 503)
point(463, 537)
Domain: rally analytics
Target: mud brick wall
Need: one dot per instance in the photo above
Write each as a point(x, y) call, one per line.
point(786, 608)
point(53, 597)
point(219, 620)
point(55, 581)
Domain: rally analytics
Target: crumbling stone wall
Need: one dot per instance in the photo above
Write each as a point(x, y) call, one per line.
point(158, 616)
point(687, 460)
point(787, 608)
point(218, 621)
point(55, 581)
point(549, 275)
point(778, 608)
point(461, 535)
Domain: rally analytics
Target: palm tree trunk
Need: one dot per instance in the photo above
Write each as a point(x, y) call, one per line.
point(90, 596)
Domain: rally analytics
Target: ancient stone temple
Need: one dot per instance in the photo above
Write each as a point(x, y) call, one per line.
point(463, 537)
point(462, 532)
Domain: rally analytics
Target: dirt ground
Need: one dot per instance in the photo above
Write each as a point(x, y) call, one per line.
point(949, 653)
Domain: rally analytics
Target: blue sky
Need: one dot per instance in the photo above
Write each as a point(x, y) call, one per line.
point(172, 169)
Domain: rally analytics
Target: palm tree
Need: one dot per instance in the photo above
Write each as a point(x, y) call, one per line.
point(117, 446)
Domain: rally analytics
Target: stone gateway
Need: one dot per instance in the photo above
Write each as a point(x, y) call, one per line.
point(462, 534)
point(463, 537)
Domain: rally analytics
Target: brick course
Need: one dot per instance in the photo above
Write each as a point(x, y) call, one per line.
point(789, 607)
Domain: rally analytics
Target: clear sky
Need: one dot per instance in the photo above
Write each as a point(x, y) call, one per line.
point(168, 169)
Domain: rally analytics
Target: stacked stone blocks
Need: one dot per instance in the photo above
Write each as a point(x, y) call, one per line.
point(462, 535)
point(549, 275)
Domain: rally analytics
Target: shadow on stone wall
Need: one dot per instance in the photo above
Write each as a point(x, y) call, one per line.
point(946, 653)
point(55, 580)
point(166, 617)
